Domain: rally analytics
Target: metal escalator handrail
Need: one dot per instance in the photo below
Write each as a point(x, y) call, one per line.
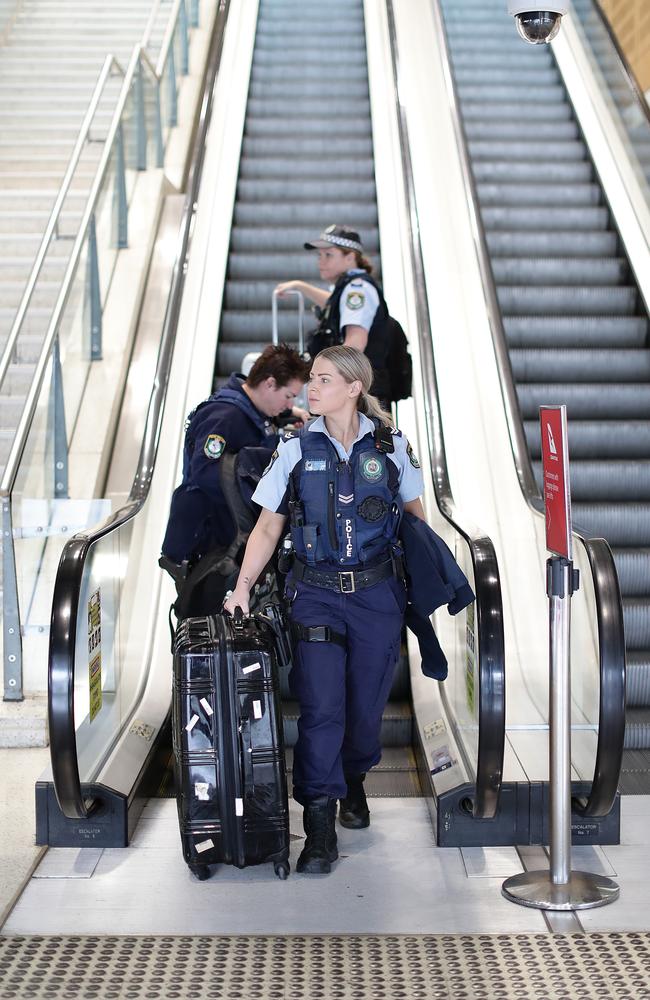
point(489, 605)
point(67, 587)
point(110, 64)
point(609, 608)
point(628, 72)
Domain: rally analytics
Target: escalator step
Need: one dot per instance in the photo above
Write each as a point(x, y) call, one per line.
point(636, 614)
point(266, 239)
point(306, 126)
point(276, 145)
point(580, 365)
point(637, 679)
point(562, 301)
point(269, 167)
point(519, 130)
point(484, 77)
point(633, 567)
point(637, 729)
point(305, 190)
point(587, 401)
point(620, 524)
point(598, 439)
point(308, 88)
point(267, 70)
point(542, 171)
point(556, 195)
point(556, 271)
point(489, 110)
point(334, 108)
point(607, 481)
point(396, 724)
point(540, 218)
point(486, 149)
point(313, 214)
point(576, 331)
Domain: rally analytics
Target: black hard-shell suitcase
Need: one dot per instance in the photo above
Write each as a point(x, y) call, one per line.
point(231, 782)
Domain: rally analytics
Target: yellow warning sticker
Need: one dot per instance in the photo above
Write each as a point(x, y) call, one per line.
point(95, 653)
point(95, 682)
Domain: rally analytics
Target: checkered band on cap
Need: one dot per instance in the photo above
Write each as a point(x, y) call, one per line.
point(341, 241)
point(338, 237)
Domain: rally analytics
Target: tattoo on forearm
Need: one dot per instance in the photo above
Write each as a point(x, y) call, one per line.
point(247, 579)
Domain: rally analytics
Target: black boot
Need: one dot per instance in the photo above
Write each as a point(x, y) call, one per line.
point(320, 847)
point(353, 810)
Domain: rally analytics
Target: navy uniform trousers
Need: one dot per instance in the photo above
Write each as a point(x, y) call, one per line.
point(342, 692)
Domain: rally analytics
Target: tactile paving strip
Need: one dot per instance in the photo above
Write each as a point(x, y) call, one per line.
point(399, 967)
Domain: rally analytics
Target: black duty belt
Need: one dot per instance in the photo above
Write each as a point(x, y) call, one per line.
point(345, 582)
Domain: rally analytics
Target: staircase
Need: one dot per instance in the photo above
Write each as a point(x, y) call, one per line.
point(575, 324)
point(51, 54)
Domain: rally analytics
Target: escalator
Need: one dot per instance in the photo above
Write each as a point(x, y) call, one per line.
point(306, 162)
point(101, 765)
point(575, 323)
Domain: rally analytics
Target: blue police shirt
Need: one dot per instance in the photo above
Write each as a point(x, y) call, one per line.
point(359, 302)
point(272, 491)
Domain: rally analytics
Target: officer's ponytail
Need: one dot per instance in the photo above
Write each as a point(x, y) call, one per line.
point(363, 263)
point(354, 366)
point(371, 407)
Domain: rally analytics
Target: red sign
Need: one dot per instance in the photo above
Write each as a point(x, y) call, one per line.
point(555, 463)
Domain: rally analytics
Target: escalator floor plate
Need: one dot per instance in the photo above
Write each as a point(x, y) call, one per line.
point(338, 966)
point(635, 773)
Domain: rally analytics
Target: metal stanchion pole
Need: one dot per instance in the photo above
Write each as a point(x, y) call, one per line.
point(559, 888)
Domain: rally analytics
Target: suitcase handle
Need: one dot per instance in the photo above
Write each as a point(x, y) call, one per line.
point(246, 754)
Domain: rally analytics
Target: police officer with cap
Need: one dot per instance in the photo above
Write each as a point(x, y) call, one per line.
point(353, 311)
point(236, 416)
point(344, 482)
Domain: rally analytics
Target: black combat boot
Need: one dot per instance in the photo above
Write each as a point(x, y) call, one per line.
point(320, 847)
point(353, 810)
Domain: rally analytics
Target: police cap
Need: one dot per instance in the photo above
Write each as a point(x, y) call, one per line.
point(338, 236)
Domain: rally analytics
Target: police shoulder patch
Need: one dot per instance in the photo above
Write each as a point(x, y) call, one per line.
point(214, 446)
point(355, 299)
point(412, 457)
point(271, 462)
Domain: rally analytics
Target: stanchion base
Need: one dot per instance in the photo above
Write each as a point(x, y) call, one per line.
point(583, 891)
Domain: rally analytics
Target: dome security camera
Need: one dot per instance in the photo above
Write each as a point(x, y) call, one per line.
point(537, 26)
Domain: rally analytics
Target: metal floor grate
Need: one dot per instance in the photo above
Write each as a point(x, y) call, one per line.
point(395, 967)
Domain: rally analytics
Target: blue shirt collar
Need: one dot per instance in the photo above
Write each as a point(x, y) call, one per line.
point(366, 426)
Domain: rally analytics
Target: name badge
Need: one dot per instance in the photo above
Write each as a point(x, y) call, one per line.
point(315, 465)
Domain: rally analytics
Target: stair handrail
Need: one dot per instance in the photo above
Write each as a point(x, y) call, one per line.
point(67, 587)
point(489, 604)
point(111, 65)
point(138, 57)
point(609, 605)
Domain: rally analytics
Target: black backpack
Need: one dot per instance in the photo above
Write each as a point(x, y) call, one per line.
point(396, 378)
point(399, 362)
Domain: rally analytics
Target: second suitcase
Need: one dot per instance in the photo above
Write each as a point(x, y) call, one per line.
point(231, 783)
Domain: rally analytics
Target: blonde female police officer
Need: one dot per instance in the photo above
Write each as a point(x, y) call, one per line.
point(353, 311)
point(344, 482)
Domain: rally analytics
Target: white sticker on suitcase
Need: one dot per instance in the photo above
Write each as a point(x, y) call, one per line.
point(205, 845)
point(257, 709)
point(251, 667)
point(207, 707)
point(191, 724)
point(202, 790)
point(239, 807)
